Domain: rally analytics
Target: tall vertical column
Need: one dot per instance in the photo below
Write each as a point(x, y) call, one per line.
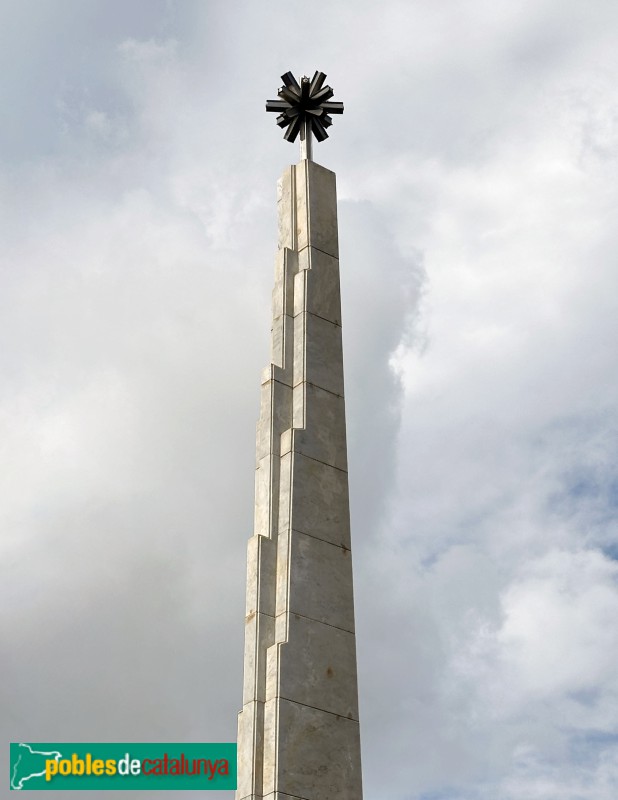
point(298, 731)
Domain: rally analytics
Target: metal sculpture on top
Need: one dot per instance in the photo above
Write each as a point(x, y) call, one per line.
point(304, 108)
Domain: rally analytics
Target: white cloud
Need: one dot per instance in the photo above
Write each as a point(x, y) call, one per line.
point(476, 165)
point(553, 641)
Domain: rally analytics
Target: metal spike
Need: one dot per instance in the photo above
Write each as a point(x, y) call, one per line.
point(276, 105)
point(290, 81)
point(293, 129)
point(333, 108)
point(316, 82)
point(323, 95)
point(288, 95)
point(318, 129)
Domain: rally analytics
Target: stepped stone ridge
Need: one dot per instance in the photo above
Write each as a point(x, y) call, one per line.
point(298, 731)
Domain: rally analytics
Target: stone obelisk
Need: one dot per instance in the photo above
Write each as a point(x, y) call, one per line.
point(298, 736)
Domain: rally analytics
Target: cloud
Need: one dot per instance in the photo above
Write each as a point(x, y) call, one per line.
point(476, 169)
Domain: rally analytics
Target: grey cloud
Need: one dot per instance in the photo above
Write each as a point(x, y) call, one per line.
point(478, 282)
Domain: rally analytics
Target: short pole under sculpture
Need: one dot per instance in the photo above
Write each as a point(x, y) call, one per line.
point(298, 731)
point(306, 145)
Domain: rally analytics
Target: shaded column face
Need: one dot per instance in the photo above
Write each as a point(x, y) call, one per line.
point(299, 730)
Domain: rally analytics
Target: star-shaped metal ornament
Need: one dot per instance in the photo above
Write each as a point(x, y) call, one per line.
point(304, 107)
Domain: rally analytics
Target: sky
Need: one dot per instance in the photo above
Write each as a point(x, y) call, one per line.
point(477, 170)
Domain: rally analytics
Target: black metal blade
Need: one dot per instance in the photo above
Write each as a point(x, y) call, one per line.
point(292, 84)
point(323, 95)
point(288, 115)
point(292, 131)
point(276, 105)
point(318, 129)
point(287, 95)
point(333, 108)
point(317, 82)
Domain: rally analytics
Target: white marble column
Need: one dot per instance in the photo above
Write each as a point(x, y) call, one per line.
point(298, 731)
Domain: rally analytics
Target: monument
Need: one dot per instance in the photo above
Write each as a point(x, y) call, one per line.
point(298, 731)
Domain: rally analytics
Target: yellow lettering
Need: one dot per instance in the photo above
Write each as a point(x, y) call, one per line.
point(51, 768)
point(110, 767)
point(77, 767)
point(97, 766)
